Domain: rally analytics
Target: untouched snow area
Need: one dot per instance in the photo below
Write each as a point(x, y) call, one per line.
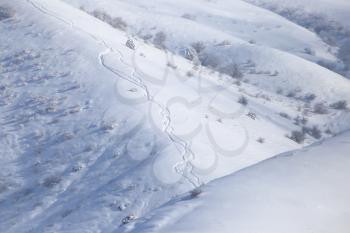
point(104, 121)
point(299, 191)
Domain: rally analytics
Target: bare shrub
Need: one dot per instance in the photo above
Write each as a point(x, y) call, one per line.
point(130, 44)
point(297, 136)
point(309, 97)
point(309, 51)
point(190, 54)
point(119, 23)
point(329, 132)
point(284, 115)
point(261, 140)
point(209, 61)
point(128, 219)
point(159, 40)
point(109, 125)
point(189, 74)
point(196, 192)
point(243, 100)
point(339, 105)
point(232, 70)
point(251, 41)
point(291, 94)
point(51, 181)
point(251, 115)
point(279, 91)
point(344, 53)
point(314, 131)
point(5, 13)
point(3, 186)
point(102, 15)
point(224, 43)
point(300, 120)
point(320, 108)
point(198, 46)
point(77, 168)
point(188, 16)
point(238, 83)
point(116, 22)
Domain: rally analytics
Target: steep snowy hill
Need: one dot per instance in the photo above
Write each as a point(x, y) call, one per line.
point(300, 191)
point(99, 127)
point(227, 34)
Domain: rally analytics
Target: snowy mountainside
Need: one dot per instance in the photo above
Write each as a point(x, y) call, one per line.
point(226, 34)
point(335, 10)
point(302, 191)
point(328, 19)
point(98, 126)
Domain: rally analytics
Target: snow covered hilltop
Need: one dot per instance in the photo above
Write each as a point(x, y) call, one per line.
point(163, 116)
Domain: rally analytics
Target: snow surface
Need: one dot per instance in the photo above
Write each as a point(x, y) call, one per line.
point(300, 191)
point(93, 131)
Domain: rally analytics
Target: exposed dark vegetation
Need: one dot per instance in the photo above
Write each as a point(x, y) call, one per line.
point(5, 13)
point(297, 136)
point(339, 105)
point(115, 22)
point(243, 100)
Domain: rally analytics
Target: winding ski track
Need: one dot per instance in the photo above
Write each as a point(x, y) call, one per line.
point(183, 168)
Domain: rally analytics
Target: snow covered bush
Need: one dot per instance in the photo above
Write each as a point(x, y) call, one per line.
point(339, 105)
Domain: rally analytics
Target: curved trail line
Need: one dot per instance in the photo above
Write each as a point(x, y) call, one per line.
point(183, 168)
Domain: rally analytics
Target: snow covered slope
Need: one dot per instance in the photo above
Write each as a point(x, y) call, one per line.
point(330, 20)
point(96, 128)
point(301, 191)
point(186, 22)
point(335, 10)
point(261, 43)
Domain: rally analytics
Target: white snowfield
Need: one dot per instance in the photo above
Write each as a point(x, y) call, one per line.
point(300, 191)
point(99, 128)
